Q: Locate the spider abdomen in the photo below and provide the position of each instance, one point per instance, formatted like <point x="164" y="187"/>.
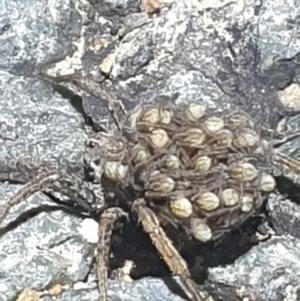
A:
<point x="203" y="170"/>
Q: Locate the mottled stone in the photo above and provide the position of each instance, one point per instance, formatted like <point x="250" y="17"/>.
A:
<point x="150" y="289"/>
<point x="277" y="31"/>
<point x="47" y="248"/>
<point x="116" y="7"/>
<point x="212" y="55"/>
<point x="36" y="122"/>
<point x="284" y="216"/>
<point x="34" y="32"/>
<point x="206" y="4"/>
<point x="265" y="271"/>
<point x="228" y="53"/>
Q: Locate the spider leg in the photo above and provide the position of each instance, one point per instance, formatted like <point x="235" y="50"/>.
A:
<point x="173" y="259"/>
<point x="60" y="183"/>
<point x="26" y="191"/>
<point x="288" y="164"/>
<point x="106" y="225"/>
<point x="284" y="138"/>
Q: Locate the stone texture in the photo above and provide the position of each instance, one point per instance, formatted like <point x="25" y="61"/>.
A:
<point x="37" y="122"/>
<point x="265" y="272"/>
<point x="44" y="249"/>
<point x="145" y="289"/>
<point x="228" y="53"/>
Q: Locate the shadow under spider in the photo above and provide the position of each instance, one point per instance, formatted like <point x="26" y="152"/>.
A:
<point x="133" y="244"/>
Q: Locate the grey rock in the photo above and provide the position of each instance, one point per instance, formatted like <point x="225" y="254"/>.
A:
<point x="291" y="147"/>
<point x="221" y="55"/>
<point x="149" y="289"/>
<point x="196" y="86"/>
<point x="8" y="288"/>
<point x="277" y="31"/>
<point x="46" y="249"/>
<point x="213" y="55"/>
<point x="284" y="216"/>
<point x="270" y="269"/>
<point x="116" y="7"/>
<point x="36" y="122"/>
<point x="133" y="21"/>
<point x="34" y="33"/>
<point x="265" y="271"/>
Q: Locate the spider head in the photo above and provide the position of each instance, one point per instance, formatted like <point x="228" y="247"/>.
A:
<point x="100" y="148"/>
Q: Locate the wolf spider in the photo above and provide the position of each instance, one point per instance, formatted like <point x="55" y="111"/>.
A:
<point x="199" y="171"/>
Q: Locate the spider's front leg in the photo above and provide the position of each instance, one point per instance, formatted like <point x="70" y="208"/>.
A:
<point x="26" y="191"/>
<point x="56" y="182"/>
<point x="171" y="256"/>
<point x="288" y="166"/>
<point x="105" y="228"/>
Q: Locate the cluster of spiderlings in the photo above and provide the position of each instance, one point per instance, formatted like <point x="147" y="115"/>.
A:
<point x="203" y="170"/>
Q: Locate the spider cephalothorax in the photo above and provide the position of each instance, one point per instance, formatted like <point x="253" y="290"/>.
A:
<point x="195" y="170"/>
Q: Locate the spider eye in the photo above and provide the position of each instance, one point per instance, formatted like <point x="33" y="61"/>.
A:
<point x="90" y="144"/>
<point x="97" y="162"/>
<point x="89" y="121"/>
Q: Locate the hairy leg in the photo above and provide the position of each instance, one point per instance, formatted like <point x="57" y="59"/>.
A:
<point x="173" y="259"/>
<point x="287" y="166"/>
<point x="60" y="184"/>
<point x="106" y="225"/>
<point x="26" y="191"/>
<point x="286" y="162"/>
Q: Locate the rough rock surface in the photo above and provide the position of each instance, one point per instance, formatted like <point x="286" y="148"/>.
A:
<point x="36" y="122"/>
<point x="43" y="248"/>
<point x="235" y="53"/>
